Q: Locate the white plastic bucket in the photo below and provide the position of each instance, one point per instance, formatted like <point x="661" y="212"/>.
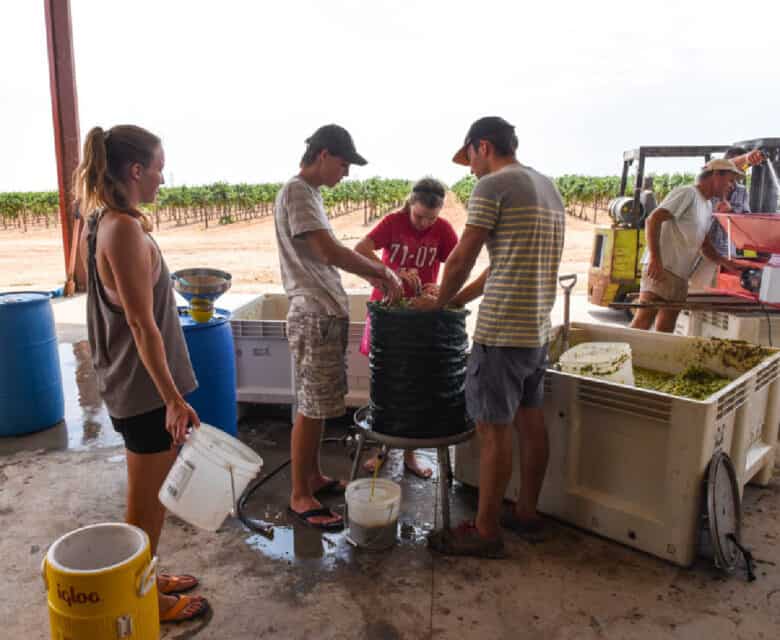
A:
<point x="373" y="520"/>
<point x="605" y="360"/>
<point x="212" y="470"/>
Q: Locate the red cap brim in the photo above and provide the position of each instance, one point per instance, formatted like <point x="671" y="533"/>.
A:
<point x="462" y="157"/>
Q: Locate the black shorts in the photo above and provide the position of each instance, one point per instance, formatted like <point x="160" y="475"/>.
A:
<point x="144" y="433"/>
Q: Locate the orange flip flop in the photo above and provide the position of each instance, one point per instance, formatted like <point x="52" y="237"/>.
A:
<point x="186" y="608"/>
<point x="177" y="584"/>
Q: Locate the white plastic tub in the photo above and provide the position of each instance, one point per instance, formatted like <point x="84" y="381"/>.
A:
<point x="628" y="463"/>
<point x="755" y="328"/>
<point x="209" y="475"/>
<point x="263" y="361"/>
<point x="604" y="360"/>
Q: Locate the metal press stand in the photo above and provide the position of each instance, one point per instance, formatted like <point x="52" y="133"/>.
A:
<point x="441" y="445"/>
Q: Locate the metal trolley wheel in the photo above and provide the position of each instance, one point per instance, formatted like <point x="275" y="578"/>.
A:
<point x="722" y="517"/>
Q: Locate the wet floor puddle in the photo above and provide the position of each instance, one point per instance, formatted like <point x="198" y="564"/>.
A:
<point x="309" y="547"/>
<point x="303" y="545"/>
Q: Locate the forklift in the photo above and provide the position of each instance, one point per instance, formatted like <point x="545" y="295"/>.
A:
<point x="616" y="260"/>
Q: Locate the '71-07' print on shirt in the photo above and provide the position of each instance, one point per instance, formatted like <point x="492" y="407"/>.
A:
<point x="425" y="255"/>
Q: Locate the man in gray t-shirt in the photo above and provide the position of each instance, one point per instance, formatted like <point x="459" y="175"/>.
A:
<point x="299" y="210"/>
<point x="318" y="319"/>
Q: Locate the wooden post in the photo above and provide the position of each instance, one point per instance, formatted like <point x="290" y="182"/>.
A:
<point x="65" y="113"/>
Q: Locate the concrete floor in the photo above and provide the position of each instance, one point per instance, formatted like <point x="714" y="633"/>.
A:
<point x="303" y="584"/>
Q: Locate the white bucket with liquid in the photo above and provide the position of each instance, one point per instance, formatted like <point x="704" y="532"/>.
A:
<point x="605" y="360"/>
<point x="210" y="474"/>
<point x="373" y="520"/>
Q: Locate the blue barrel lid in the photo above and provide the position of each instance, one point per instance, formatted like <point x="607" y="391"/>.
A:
<point x="24" y="297"/>
<point x="188" y="324"/>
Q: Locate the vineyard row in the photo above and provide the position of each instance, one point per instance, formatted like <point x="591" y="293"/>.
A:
<point x="592" y="192"/>
<point x="223" y="203"/>
<point x="218" y="203"/>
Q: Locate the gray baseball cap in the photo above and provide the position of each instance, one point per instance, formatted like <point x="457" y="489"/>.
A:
<point x="338" y="142"/>
<point x="483" y="128"/>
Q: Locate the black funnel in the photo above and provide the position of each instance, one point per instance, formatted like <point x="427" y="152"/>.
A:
<point x="763" y="190"/>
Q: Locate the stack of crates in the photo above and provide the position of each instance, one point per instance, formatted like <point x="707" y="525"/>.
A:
<point x="263" y="360"/>
<point x="756" y="328"/>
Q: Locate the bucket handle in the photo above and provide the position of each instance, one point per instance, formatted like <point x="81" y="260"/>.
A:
<point x="233" y="509"/>
<point x="148" y="578"/>
<point x="43" y="573"/>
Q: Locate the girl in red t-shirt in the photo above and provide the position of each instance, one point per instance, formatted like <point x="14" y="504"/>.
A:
<point x="414" y="242"/>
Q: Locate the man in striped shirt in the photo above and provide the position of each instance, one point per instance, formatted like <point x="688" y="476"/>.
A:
<point x="518" y="214"/>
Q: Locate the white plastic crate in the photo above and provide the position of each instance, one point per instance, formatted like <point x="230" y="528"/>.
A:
<point x="628" y="463"/>
<point x="688" y="324"/>
<point x="755" y="328"/>
<point x="263" y="361"/>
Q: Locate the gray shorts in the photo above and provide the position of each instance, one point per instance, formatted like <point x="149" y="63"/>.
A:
<point x="318" y="344"/>
<point x="500" y="380"/>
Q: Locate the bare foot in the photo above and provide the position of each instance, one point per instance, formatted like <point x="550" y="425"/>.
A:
<point x="169" y="584"/>
<point x="370" y="464"/>
<point x="180" y="608"/>
<point x="413" y="466"/>
<point x="526" y="515"/>
<point x="326" y="485"/>
<point x="165" y="602"/>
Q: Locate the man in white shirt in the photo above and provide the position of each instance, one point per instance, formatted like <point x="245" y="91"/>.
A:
<point x="676" y="233"/>
<point x="310" y="256"/>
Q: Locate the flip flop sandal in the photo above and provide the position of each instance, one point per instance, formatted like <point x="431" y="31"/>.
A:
<point x="305" y="517"/>
<point x="178" y="612"/>
<point x="331" y="488"/>
<point x="176" y="584"/>
<point x="535" y="531"/>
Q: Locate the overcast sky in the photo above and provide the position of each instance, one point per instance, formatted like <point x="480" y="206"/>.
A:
<point x="234" y="87"/>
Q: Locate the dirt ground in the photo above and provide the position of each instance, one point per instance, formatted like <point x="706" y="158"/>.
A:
<point x="308" y="586"/>
<point x="34" y="260"/>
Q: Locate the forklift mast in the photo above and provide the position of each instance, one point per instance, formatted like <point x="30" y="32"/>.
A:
<point x="641" y="153"/>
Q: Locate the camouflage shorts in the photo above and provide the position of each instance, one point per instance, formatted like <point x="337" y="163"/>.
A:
<point x="318" y="344"/>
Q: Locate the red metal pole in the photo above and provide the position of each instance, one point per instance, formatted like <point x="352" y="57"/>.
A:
<point x="65" y="112"/>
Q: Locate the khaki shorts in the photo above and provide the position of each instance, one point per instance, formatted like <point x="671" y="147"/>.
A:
<point x="670" y="287"/>
<point x="318" y="344"/>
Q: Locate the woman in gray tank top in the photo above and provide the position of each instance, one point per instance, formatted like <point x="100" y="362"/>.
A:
<point x="138" y="349"/>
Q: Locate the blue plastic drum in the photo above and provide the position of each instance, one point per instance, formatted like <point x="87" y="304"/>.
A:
<point x="31" y="397"/>
<point x="211" y="351"/>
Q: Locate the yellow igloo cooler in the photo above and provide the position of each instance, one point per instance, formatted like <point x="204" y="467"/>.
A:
<point x="101" y="584"/>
